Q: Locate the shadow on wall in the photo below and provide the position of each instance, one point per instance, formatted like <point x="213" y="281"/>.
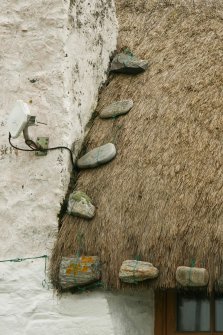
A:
<point x="132" y="313"/>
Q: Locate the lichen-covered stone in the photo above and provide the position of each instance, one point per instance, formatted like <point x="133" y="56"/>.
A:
<point x="192" y="276"/>
<point x="126" y="62"/>
<point x="116" y="108"/>
<point x="80" y="205"/>
<point x="133" y="271"/>
<point x="97" y="156"/>
<point x="79" y="271"/>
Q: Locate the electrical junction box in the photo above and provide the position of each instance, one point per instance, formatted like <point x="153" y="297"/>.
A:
<point x="43" y="143"/>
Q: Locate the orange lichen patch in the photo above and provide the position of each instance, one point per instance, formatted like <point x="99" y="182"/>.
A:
<point x="85" y="268"/>
<point x="68" y="271"/>
<point x="85" y="259"/>
<point x="73" y="269"/>
<point x="76" y="268"/>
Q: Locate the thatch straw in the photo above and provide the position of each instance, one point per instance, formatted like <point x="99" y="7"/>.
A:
<point x="161" y="199"/>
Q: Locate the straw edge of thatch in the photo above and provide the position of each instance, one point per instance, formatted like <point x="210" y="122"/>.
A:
<point x="68" y="223"/>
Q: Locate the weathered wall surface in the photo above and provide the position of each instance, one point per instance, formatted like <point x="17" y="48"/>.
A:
<point x="28" y="308"/>
<point x="132" y="313"/>
<point x="54" y="55"/>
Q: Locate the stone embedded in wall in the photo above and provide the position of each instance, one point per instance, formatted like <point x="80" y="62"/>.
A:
<point x="192" y="276"/>
<point x="80" y="205"/>
<point x="97" y="156"/>
<point x="79" y="271"/>
<point x="126" y="62"/>
<point x="133" y="271"/>
<point x="116" y="108"/>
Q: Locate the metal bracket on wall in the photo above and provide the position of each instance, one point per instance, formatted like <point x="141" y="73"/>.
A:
<point x="43" y="143"/>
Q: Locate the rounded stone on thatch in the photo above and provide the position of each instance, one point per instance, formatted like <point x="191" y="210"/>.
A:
<point x="128" y="63"/>
<point x="133" y="271"/>
<point x="192" y="277"/>
<point x="80" y="205"/>
<point x="116" y="108"/>
<point x="79" y="271"/>
<point x="97" y="156"/>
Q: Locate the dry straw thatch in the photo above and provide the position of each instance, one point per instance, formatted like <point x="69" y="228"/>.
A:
<point x="161" y="199"/>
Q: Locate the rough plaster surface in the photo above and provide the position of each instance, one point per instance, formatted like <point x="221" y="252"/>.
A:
<point x="27" y="308"/>
<point x="132" y="313"/>
<point x="65" y="49"/>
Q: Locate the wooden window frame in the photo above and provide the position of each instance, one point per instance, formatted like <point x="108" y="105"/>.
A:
<point x="166" y="316"/>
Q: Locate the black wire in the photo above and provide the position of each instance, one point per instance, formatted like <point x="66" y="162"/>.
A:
<point x="60" y="147"/>
<point x="10" y="136"/>
<point x="34" y="147"/>
<point x="31" y="144"/>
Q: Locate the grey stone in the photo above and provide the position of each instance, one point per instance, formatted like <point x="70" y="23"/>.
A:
<point x="80" y="205"/>
<point x="133" y="271"/>
<point x="97" y="156"/>
<point x="128" y="63"/>
<point x="116" y="108"/>
<point x="79" y="271"/>
<point x="192" y="276"/>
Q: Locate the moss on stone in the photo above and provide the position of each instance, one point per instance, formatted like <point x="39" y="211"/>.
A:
<point x="78" y="196"/>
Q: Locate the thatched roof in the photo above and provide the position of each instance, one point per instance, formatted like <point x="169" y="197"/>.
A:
<point x="161" y="199"/>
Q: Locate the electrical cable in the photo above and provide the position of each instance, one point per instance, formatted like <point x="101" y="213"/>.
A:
<point x="34" y="147"/>
<point x="13" y="146"/>
<point x="45" y="282"/>
<point x="22" y="259"/>
<point x="31" y="144"/>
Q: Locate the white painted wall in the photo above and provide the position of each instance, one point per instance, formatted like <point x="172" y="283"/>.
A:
<point x="132" y="312"/>
<point x="36" y="36"/>
<point x="27" y="308"/>
<point x="65" y="48"/>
